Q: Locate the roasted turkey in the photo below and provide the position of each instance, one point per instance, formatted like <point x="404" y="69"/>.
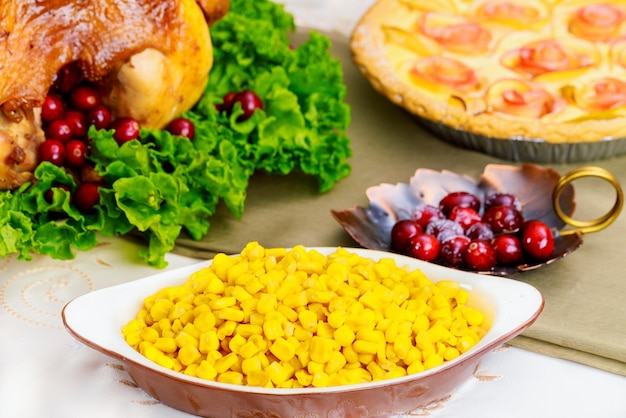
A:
<point x="150" y="58"/>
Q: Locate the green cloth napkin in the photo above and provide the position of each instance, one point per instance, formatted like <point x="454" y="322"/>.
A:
<point x="584" y="319"/>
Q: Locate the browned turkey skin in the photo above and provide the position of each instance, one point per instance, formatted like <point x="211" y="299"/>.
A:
<point x="151" y="57"/>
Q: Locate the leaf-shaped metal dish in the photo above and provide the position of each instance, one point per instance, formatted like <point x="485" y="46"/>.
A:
<point x="544" y="194"/>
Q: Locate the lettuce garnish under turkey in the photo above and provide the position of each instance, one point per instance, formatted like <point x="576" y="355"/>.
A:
<point x="165" y="185"/>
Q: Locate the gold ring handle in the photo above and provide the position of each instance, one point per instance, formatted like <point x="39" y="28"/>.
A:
<point x="593" y="225"/>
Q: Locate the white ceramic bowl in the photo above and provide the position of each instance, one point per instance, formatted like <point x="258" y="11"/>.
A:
<point x="96" y="320"/>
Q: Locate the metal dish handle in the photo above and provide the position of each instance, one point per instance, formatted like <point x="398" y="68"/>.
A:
<point x="593" y="225"/>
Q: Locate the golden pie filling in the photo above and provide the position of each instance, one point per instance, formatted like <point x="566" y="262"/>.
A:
<point x="550" y="70"/>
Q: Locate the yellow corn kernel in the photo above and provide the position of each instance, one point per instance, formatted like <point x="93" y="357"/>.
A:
<point x="320" y="380"/>
<point x="251" y="365"/>
<point x="224" y="302"/>
<point x="208" y="341"/>
<point x="308" y="320"/>
<point x="236" y="342"/>
<point x="324" y="330"/>
<point x="335" y="363"/>
<point x="166" y="345"/>
<point x="350" y="355"/>
<point x="365" y="347"/>
<point x="248" y="350"/>
<point x="433" y="360"/>
<point x="248" y="330"/>
<point x="282" y="349"/>
<point x="267" y="303"/>
<point x="375" y="370"/>
<point x="321" y="349"/>
<point x="231" y="314"/>
<point x="226" y="362"/>
<point x="415" y="367"/>
<point x="226" y="329"/>
<point x="314" y="367"/>
<point x="188" y="354"/>
<point x="344" y="335"/>
<point x="450" y="353"/>
<point x="161" y="309"/>
<point x="235" y="378"/>
<point x="304" y="378"/>
<point x="183" y="338"/>
<point x="402" y="345"/>
<point x="277" y="373"/>
<point x="258" y="378"/>
<point x="273" y="329"/>
<point x="473" y="316"/>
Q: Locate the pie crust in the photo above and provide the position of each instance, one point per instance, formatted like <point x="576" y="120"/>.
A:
<point x="552" y="71"/>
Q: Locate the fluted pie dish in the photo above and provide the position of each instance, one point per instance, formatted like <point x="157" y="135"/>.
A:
<point x="96" y="319"/>
<point x="523" y="80"/>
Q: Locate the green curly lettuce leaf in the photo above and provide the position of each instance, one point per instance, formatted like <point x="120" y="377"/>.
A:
<point x="164" y="185"/>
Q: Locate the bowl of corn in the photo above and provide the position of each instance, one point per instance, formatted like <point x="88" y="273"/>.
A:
<point x="309" y="332"/>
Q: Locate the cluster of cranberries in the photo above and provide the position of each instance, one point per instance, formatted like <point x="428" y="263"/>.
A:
<point x="454" y="233"/>
<point x="248" y="100"/>
<point x="70" y="108"/>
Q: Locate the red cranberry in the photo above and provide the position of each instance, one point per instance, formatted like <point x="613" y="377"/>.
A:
<point x="227" y="102"/>
<point x="49" y="195"/>
<point x="59" y="129"/>
<point x="84" y="97"/>
<point x="479" y="255"/>
<point x="463" y="199"/>
<point x="53" y="150"/>
<point x="99" y="116"/>
<point x="425" y="214"/>
<point x="452" y="251"/>
<point x="537" y="240"/>
<point x="444" y="229"/>
<point x="53" y="108"/>
<point x="249" y="101"/>
<point x="502" y="199"/>
<point x="465" y="217"/>
<point x="67" y="78"/>
<point x="508" y="249"/>
<point x="126" y="129"/>
<point x="87" y="196"/>
<point x="182" y="127"/>
<point x="480" y="230"/>
<point x="77" y="123"/>
<point x="503" y="219"/>
<point x="401" y="233"/>
<point x="424" y="247"/>
<point x="76" y="153"/>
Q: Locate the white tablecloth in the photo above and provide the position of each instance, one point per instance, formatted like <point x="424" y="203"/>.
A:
<point x="44" y="372"/>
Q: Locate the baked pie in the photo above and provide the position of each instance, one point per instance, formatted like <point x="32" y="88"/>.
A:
<point x="544" y="70"/>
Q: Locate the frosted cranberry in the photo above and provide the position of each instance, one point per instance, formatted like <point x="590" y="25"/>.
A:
<point x="67" y="78"/>
<point x="463" y="199"/>
<point x="465" y="217"/>
<point x="87" y="196"/>
<point x="77" y="123"/>
<point x="480" y="230"/>
<point x="84" y="97"/>
<point x="508" y="249"/>
<point x="182" y="127"/>
<point x="249" y="101"/>
<point x="479" y="255"/>
<point x="99" y="116"/>
<point x="76" y="153"/>
<point x="425" y="214"/>
<point x="401" y="233"/>
<point x="49" y="195"/>
<point x="537" y="240"/>
<point x="59" y="129"/>
<point x="126" y="129"/>
<point x="53" y="150"/>
<point x="503" y="219"/>
<point x="444" y="229"/>
<point x="452" y="251"/>
<point x="424" y="247"/>
<point x="53" y="108"/>
<point x="502" y="199"/>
